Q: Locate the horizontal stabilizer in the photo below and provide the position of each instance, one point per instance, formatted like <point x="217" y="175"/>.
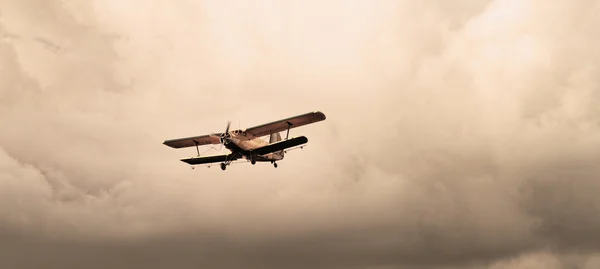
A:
<point x="209" y="159"/>
<point x="281" y="145"/>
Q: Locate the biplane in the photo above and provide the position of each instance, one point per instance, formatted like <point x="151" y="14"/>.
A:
<point x="248" y="144"/>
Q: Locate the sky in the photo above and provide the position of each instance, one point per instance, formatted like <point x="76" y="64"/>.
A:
<point x="459" y="134"/>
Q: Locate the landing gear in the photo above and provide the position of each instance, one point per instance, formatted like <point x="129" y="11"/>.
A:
<point x="228" y="160"/>
<point x="275" y="164"/>
<point x="253" y="162"/>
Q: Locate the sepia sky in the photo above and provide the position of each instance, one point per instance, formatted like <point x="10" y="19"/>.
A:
<point x="459" y="134"/>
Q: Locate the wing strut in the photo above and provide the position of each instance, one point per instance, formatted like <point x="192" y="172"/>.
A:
<point x="288" y="130"/>
<point x="197" y="150"/>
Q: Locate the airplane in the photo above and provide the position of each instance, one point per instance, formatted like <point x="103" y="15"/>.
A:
<point x="247" y="144"/>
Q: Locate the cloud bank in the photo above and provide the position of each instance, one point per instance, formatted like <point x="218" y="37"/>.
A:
<point x="459" y="135"/>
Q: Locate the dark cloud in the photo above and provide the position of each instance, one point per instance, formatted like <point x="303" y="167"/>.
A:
<point x="459" y="135"/>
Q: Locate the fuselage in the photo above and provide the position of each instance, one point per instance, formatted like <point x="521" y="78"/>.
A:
<point x="243" y="143"/>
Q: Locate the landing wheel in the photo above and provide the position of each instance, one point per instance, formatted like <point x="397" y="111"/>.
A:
<point x="223" y="166"/>
<point x="275" y="165"/>
<point x="253" y="162"/>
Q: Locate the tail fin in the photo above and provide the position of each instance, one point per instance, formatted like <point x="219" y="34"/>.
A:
<point x="276" y="137"/>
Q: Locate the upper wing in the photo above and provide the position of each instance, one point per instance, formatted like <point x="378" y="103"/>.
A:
<point x="193" y="141"/>
<point x="210" y="159"/>
<point x="284" y="124"/>
<point x="292" y="142"/>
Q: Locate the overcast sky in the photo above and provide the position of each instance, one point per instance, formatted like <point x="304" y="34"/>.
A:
<point x="459" y="134"/>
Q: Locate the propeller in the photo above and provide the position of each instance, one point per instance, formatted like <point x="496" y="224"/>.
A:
<point x="227" y="129"/>
<point x="225" y="136"/>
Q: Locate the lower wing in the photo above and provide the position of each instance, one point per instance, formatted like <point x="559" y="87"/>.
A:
<point x="292" y="142"/>
<point x="210" y="159"/>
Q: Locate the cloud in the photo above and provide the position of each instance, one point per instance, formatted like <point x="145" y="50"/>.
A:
<point x="458" y="135"/>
